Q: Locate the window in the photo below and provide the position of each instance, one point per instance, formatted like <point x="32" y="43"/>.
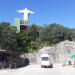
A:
<point x="45" y="58"/>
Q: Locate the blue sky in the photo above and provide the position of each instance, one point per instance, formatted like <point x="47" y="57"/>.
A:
<point x="47" y="11"/>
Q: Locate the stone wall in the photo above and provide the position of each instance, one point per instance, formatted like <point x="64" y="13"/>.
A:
<point x="59" y="53"/>
<point x="65" y="49"/>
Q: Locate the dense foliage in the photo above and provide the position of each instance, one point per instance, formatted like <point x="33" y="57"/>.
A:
<point x="34" y="37"/>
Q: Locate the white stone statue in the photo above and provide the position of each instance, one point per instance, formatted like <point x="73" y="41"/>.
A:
<point x="25" y="13"/>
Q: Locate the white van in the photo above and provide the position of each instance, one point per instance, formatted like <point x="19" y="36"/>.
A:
<point x="45" y="61"/>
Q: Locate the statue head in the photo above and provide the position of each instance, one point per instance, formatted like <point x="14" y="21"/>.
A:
<point x="25" y="8"/>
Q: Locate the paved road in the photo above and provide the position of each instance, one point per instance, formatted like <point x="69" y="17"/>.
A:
<point x="37" y="70"/>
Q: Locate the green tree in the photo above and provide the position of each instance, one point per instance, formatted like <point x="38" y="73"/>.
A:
<point x="33" y="32"/>
<point x="23" y="42"/>
<point x="33" y="35"/>
<point x="7" y="34"/>
<point x="54" y="33"/>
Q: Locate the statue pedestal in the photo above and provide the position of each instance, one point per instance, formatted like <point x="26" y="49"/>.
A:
<point x="23" y="27"/>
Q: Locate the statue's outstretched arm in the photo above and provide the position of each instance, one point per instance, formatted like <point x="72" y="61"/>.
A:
<point x="31" y="12"/>
<point x="20" y="11"/>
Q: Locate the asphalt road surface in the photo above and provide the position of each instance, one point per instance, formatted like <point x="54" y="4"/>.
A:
<point x="37" y="70"/>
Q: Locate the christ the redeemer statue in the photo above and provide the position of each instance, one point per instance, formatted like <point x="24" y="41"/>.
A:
<point x="25" y="13"/>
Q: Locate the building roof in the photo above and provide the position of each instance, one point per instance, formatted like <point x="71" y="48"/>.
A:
<point x="14" y="53"/>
